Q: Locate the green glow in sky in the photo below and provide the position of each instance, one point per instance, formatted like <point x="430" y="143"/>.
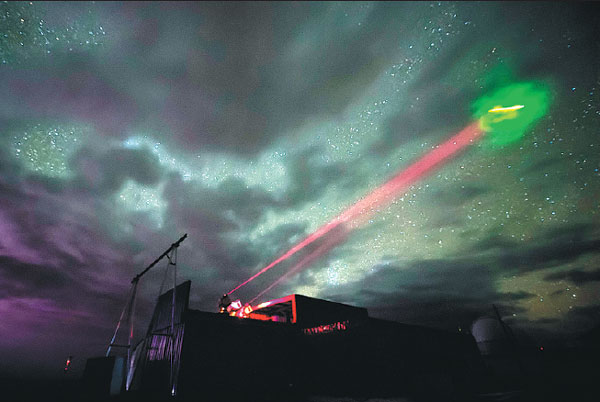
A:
<point x="506" y="123"/>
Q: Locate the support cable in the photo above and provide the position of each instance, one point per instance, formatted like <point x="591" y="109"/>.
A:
<point x="125" y="308"/>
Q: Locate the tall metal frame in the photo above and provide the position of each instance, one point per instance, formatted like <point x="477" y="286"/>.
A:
<point x="128" y="312"/>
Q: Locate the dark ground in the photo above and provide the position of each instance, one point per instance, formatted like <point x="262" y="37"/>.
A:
<point x="560" y="375"/>
<point x="70" y="390"/>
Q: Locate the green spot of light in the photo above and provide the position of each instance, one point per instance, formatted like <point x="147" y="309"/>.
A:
<point x="503" y="122"/>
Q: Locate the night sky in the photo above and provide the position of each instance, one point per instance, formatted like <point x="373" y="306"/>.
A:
<point x="247" y="126"/>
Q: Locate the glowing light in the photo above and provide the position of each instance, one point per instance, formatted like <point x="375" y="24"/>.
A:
<point x="263" y="305"/>
<point x="505" y="109"/>
<point x="359" y="212"/>
<point x="234" y="307"/>
<point x="67" y="363"/>
<point x="505" y="125"/>
<point x="275" y="301"/>
<point x="247" y="309"/>
<point x="324" y="329"/>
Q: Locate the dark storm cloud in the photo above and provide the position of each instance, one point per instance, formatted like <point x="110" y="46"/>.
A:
<point x="494" y="241"/>
<point x="456" y="196"/>
<point x="582" y="319"/>
<point x="282" y="237"/>
<point x="108" y="170"/>
<point x="440" y="312"/>
<point x="548" y="249"/>
<point x="214" y="217"/>
<point x="428" y="278"/>
<point x="583" y="62"/>
<point x="230" y="203"/>
<point x="432" y="292"/>
<point x="546" y="321"/>
<point x="591" y="313"/>
<point x="196" y="212"/>
<point x="247" y="203"/>
<point x="57" y="229"/>
<point x="21" y="279"/>
<point x="234" y="76"/>
<point x="77" y="86"/>
<point x="52" y="285"/>
<point x="576" y="276"/>
<point x="552" y="253"/>
<point x="515" y="296"/>
<point x="446" y="220"/>
<point x="310" y="176"/>
<point x="427" y="119"/>
<point x="229" y="72"/>
<point x="543" y="165"/>
<point x="325" y="71"/>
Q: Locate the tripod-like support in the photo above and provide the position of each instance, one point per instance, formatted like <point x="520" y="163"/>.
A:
<point x="127" y="315"/>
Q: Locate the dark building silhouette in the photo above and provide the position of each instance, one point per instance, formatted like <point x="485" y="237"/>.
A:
<point x="295" y="346"/>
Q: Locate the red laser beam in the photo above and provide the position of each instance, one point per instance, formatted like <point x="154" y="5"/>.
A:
<point x="328" y="244"/>
<point x="360" y="211"/>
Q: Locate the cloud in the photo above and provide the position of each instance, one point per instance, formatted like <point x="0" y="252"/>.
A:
<point x="516" y="296"/>
<point x="83" y="95"/>
<point x="457" y="196"/>
<point x="531" y="167"/>
<point x="309" y="176"/>
<point x="550" y="248"/>
<point x="576" y="276"/>
<point x="551" y="254"/>
<point x="578" y="320"/>
<point x="107" y="171"/>
<point x="217" y="219"/>
<point x="432" y="292"/>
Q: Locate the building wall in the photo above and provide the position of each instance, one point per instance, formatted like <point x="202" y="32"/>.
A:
<point x="225" y="356"/>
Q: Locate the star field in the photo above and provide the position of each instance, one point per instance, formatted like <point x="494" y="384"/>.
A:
<point x="46" y="148"/>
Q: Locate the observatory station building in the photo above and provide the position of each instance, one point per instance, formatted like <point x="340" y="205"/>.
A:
<point x="295" y="345"/>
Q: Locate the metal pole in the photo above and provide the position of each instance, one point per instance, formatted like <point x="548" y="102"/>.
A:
<point x="131" y="323"/>
<point x="173" y="261"/>
<point x="163" y="255"/>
